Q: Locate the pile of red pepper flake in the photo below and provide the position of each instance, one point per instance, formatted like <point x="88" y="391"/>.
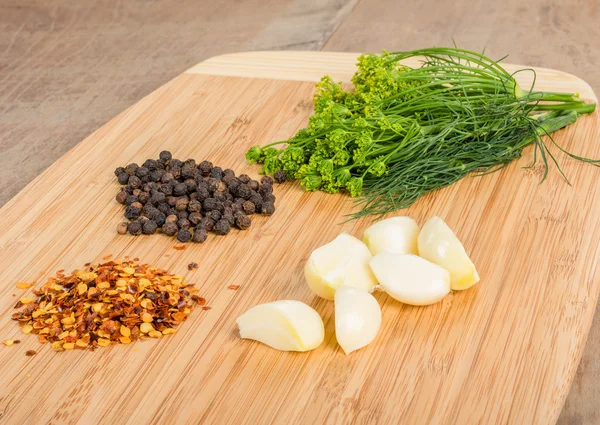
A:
<point x="110" y="303"/>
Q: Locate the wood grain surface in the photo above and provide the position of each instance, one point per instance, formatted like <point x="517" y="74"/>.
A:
<point x="502" y="352"/>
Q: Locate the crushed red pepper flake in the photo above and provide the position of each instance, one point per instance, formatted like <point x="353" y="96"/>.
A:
<point x="106" y="257"/>
<point x="234" y="287"/>
<point x="30" y="353"/>
<point x="205" y="307"/>
<point x="179" y="247"/>
<point x="192" y="266"/>
<point x="117" y="302"/>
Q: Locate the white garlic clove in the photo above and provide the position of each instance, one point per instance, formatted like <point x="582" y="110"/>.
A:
<point x="410" y="279"/>
<point x="342" y="262"/>
<point x="357" y="318"/>
<point x="397" y="235"/>
<point x="286" y="325"/>
<point x="438" y="244"/>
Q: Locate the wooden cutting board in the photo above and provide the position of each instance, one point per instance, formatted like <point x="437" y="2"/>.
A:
<point x="502" y="352"/>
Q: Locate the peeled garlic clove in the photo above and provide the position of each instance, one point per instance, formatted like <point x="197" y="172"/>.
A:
<point x="357" y="318"/>
<point x="411" y="279"/>
<point x="285" y="325"/>
<point x="397" y="235"/>
<point x="438" y="244"/>
<point x="342" y="262"/>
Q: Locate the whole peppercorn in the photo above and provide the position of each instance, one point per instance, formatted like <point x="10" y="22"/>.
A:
<point x="150" y="164"/>
<point x="228" y="172"/>
<point x="170" y="228"/>
<point x="280" y="176"/>
<point x="142" y="219"/>
<point x="149" y="227"/>
<point x="214" y="215"/>
<point x="176" y="171"/>
<point x="184" y="235"/>
<point x="222" y="227"/>
<point x="256" y="199"/>
<point x="181" y="204"/>
<point x="181" y="214"/>
<point x="220" y="196"/>
<point x="253" y="184"/>
<point x="216" y="173"/>
<point x="123" y="178"/>
<point x="195" y="218"/>
<point x="243" y="191"/>
<point x="265" y="189"/>
<point x="167" y="177"/>
<point x="165" y="156"/>
<point x="172" y="200"/>
<point x="134" y="182"/>
<point x="191" y="185"/>
<point x="236" y="208"/>
<point x="227" y="203"/>
<point x="131" y="212"/>
<point x="137" y="205"/>
<point x="155" y="175"/>
<point x="194" y="206"/>
<point x="244" y="178"/>
<point x="131" y="169"/>
<point x="267" y="180"/>
<point x="248" y="207"/>
<point x="184" y="223"/>
<point x="144" y="197"/>
<point x="158" y="198"/>
<point x="122" y="197"/>
<point x="134" y="228"/>
<point x="164" y="208"/>
<point x="228" y="215"/>
<point x="136" y="192"/>
<point x="142" y="172"/>
<point x="269" y="197"/>
<point x="268" y="208"/>
<point x="118" y="171"/>
<point x="233" y="184"/>
<point x="205" y="167"/>
<point x="200" y="234"/>
<point x="176" y="163"/>
<point x="122" y="227"/>
<point x="190" y="162"/>
<point x="159" y="218"/>
<point x="180" y="189"/>
<point x="213" y="185"/>
<point x="188" y="172"/>
<point x="166" y="188"/>
<point x="208" y="223"/>
<point x="242" y="221"/>
<point x="171" y="219"/>
<point x="203" y="193"/>
<point x="210" y="204"/>
<point x="222" y="187"/>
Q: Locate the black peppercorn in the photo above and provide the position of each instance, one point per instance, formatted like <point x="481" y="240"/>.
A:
<point x="158" y="198"/>
<point x="191" y="185"/>
<point x="142" y="172"/>
<point x="118" y="171"/>
<point x="184" y="235"/>
<point x="266" y="180"/>
<point x="265" y="189"/>
<point x="134" y="228"/>
<point x="269" y="197"/>
<point x="181" y="204"/>
<point x="181" y="214"/>
<point x="188" y="172"/>
<point x="155" y="175"/>
<point x="134" y="182"/>
<point x="137" y="205"/>
<point x="203" y="193"/>
<point x="170" y="228"/>
<point x="122" y="228"/>
<point x="195" y="218"/>
<point x="149" y="211"/>
<point x="213" y="185"/>
<point x="131" y="169"/>
<point x="216" y="173"/>
<point x="136" y="192"/>
<point x="180" y="189"/>
<point x="253" y="184"/>
<point x="268" y="208"/>
<point x="122" y="197"/>
<point x="144" y="197"/>
<point x="166" y="188"/>
<point x="131" y="212"/>
<point x="233" y="184"/>
<point x="228" y="172"/>
<point x="159" y="218"/>
<point x="222" y="227"/>
<point x="220" y="196"/>
<point x="171" y="219"/>
<point x="165" y="156"/>
<point x="280" y="176"/>
<point x="236" y="207"/>
<point x="149" y="227"/>
<point x="210" y="204"/>
<point x="176" y="163"/>
<point x="167" y="177"/>
<point x="184" y="223"/>
<point x="194" y="206"/>
<point x="229" y="217"/>
<point x="142" y="219"/>
<point x="205" y="167"/>
<point x="242" y="221"/>
<point x="244" y="178"/>
<point x="214" y="215"/>
<point x="150" y="164"/>
<point x="243" y="191"/>
<point x="248" y="207"/>
<point x="176" y="171"/>
<point x="172" y="200"/>
<point x="164" y="208"/>
<point x="208" y="223"/>
<point x="123" y="178"/>
<point x="200" y="234"/>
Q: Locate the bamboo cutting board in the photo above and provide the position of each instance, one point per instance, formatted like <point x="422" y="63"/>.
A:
<point x="502" y="352"/>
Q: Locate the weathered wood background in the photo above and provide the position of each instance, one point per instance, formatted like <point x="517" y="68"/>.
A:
<point x="67" y="67"/>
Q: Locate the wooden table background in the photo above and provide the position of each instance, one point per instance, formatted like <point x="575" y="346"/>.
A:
<point x="67" y="67"/>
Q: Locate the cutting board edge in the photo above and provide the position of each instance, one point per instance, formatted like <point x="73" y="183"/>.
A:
<point x="298" y="65"/>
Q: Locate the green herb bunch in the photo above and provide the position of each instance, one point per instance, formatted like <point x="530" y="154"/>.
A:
<point x="403" y="132"/>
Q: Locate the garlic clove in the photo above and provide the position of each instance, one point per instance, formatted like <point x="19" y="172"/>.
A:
<point x="357" y="318"/>
<point x="397" y="235"/>
<point x="286" y="325"/>
<point x="342" y="262"/>
<point x="410" y="279"/>
<point x="438" y="244"/>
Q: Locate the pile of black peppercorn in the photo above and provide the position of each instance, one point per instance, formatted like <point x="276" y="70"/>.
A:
<point x="189" y="200"/>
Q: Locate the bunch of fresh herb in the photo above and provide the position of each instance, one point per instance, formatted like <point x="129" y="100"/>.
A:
<point x="403" y="132"/>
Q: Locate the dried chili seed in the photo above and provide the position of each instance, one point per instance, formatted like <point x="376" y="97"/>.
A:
<point x="30" y="353"/>
<point x="122" y="228"/>
<point x="192" y="266"/>
<point x="280" y="176"/>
